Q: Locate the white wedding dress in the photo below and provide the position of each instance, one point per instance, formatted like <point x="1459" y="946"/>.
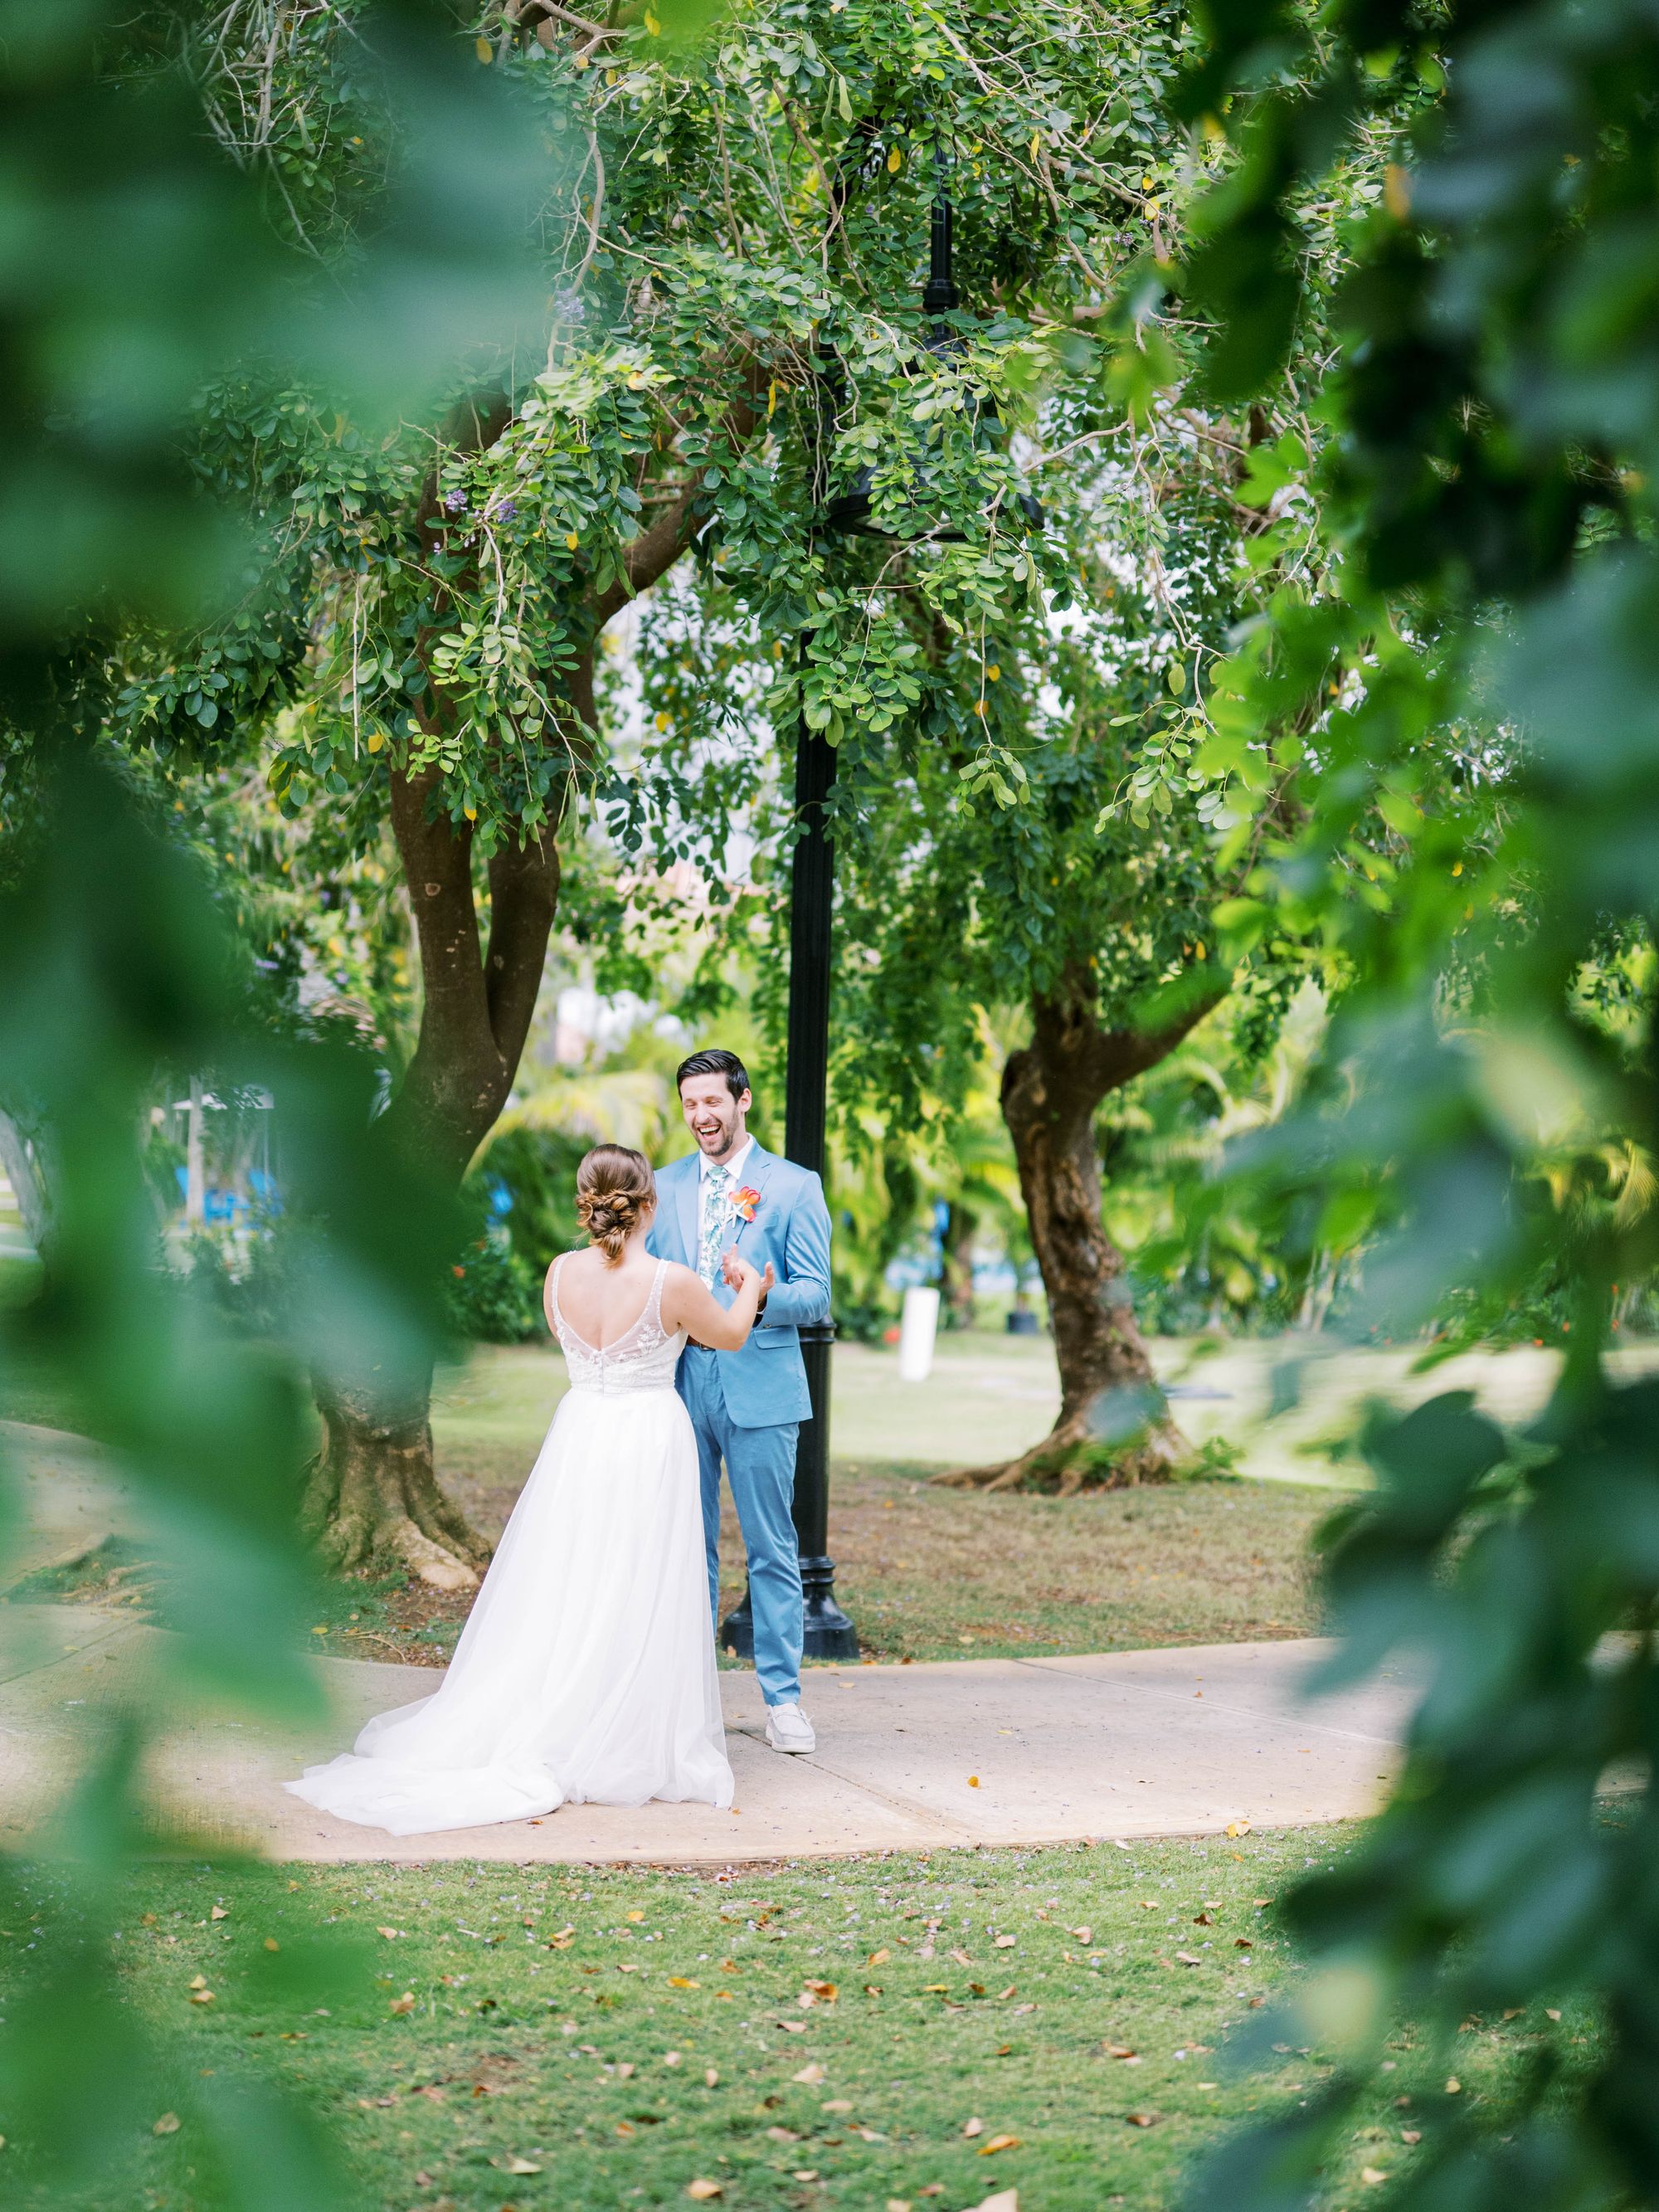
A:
<point x="586" y="1672"/>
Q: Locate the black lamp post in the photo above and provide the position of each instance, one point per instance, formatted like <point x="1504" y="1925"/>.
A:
<point x="829" y="1634"/>
<point x="827" y="1631"/>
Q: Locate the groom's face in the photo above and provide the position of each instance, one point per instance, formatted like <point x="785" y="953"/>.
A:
<point x="714" y="1117"/>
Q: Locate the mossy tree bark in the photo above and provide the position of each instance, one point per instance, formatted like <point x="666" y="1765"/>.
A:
<point x="1114" y="1427"/>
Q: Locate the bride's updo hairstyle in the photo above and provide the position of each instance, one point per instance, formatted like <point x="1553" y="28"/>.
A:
<point x="615" y="1191"/>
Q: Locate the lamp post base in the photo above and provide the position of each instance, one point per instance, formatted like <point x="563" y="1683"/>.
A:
<point x="826" y="1632"/>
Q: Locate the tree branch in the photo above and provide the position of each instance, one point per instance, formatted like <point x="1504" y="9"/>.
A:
<point x="655" y="551"/>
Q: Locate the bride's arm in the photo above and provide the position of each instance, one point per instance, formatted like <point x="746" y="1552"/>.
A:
<point x="687" y="1303"/>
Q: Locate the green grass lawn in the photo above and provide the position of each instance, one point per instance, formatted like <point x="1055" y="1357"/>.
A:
<point x="857" y="2034"/>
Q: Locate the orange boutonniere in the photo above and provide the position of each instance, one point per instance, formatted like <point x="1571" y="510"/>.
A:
<point x="745" y="1201"/>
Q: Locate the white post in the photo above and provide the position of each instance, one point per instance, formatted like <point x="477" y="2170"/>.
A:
<point x="917" y="1330"/>
<point x="195" y="1165"/>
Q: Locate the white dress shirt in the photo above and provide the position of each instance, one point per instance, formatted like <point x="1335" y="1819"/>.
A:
<point x="734" y="1166"/>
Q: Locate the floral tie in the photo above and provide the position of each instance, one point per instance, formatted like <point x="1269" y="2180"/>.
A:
<point x="714" y="1223"/>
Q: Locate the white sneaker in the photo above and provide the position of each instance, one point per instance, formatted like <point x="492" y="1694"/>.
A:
<point x="787" y="1728"/>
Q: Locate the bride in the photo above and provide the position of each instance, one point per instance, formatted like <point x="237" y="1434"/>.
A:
<point x="586" y="1671"/>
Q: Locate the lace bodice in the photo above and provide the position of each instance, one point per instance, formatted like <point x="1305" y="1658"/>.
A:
<point x="643" y="1357"/>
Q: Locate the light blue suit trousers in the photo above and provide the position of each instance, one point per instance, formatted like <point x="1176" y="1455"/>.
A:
<point x="760" y="1464"/>
<point x="747" y="1407"/>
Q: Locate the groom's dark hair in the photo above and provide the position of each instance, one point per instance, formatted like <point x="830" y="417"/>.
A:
<point x="716" y="1063"/>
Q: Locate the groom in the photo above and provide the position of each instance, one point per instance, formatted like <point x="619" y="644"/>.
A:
<point x="747" y="1407"/>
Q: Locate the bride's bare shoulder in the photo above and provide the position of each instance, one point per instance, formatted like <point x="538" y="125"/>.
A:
<point x="677" y="1279"/>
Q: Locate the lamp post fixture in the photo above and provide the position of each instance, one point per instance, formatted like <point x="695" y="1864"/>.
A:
<point x="828" y="1633"/>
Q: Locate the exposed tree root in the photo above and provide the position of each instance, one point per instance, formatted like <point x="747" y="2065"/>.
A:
<point x="1072" y="1458"/>
<point x="373" y="1498"/>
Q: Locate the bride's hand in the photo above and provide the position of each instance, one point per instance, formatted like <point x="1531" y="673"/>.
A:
<point x="737" y="1272"/>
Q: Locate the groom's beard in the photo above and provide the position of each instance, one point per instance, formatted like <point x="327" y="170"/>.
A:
<point x="721" y="1147"/>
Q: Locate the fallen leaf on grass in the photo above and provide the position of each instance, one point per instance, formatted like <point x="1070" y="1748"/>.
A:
<point x="878" y="1958"/>
<point x="805" y="2173"/>
<point x="898" y="2204"/>
<point x="1141" y="2119"/>
<point x="404" y="2003"/>
<point x="1120" y="2049"/>
<point x="873" y="1989"/>
<point x="1189" y="1958"/>
<point x="218" y="1912"/>
<point x="810" y="2074"/>
<point x="513" y="2164"/>
<point x="974" y="2128"/>
<point x="633" y="1918"/>
<point x="1084" y="1934"/>
<point x="1410" y="2134"/>
<point x="432" y="2093"/>
<point x="703" y="2190"/>
<point x="1238" y="1827"/>
<point x="782" y="2135"/>
<point x="625" y="2070"/>
<point x="997" y="2143"/>
<point x="562" y="1940"/>
<point x="167" y="2125"/>
<point x="711" y="2075"/>
<point x="816" y="1993"/>
<point x="792" y="2027"/>
<point x="682" y="1982"/>
<point x="1005" y="2200"/>
<point x="1243" y="1943"/>
<point x="1372" y="2176"/>
<point x="272" y="1944"/>
<point x="1454" y="2087"/>
<point x="1006" y="1942"/>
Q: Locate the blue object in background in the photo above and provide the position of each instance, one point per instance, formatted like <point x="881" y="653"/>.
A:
<point x="500" y="1200"/>
<point x="266" y="1196"/>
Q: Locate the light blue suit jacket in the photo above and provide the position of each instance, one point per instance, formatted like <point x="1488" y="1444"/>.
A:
<point x="765" y="1383"/>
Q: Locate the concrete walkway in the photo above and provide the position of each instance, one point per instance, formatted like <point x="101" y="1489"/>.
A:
<point x="992" y="1752"/>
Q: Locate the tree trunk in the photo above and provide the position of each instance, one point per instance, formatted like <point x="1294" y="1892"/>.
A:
<point x="957" y="1265"/>
<point x="1114" y="1427"/>
<point x="23" y="1160"/>
<point x="374" y="1492"/>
